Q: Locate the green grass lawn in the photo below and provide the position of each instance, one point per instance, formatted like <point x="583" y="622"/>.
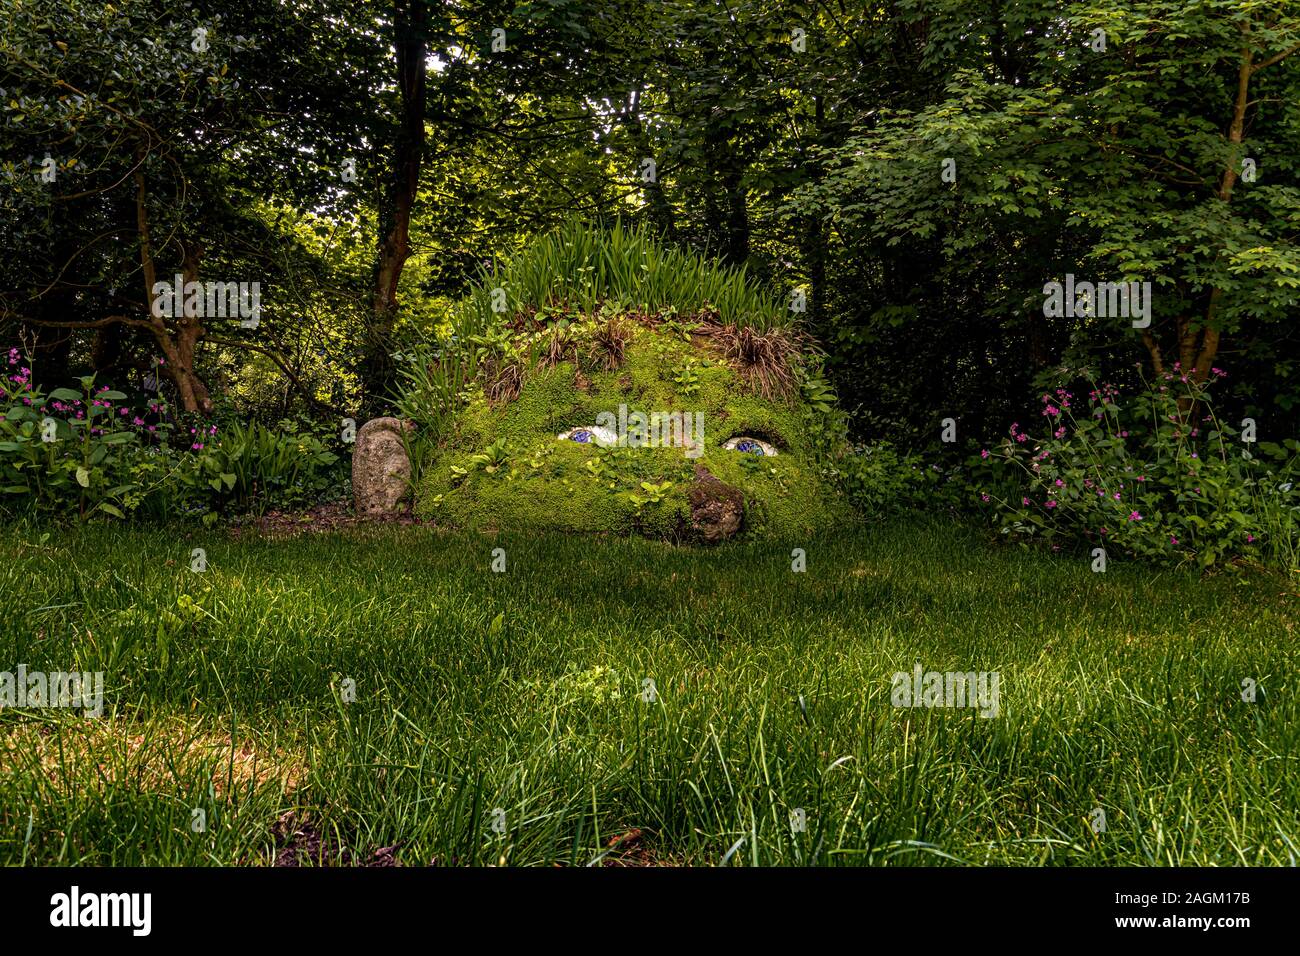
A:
<point x="523" y="691"/>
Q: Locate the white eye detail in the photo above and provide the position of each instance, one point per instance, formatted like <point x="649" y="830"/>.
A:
<point x="750" y="446"/>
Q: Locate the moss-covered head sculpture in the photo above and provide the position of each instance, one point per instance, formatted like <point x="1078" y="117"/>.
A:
<point x="603" y="383"/>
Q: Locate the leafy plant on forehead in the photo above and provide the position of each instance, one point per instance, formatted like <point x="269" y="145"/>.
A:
<point x="687" y="378"/>
<point x="556" y="345"/>
<point x="766" y="360"/>
<point x="504" y="379"/>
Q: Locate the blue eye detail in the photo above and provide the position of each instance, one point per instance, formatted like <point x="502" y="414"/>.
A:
<point x="750" y="446"/>
<point x="590" y="435"/>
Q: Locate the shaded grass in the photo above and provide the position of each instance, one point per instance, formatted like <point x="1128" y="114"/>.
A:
<point x="523" y="691"/>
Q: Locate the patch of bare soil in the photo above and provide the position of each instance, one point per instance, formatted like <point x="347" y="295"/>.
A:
<point x="332" y="516"/>
<point x="299" y="842"/>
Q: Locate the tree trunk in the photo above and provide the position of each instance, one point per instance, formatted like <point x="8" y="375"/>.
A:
<point x="178" y="346"/>
<point x="411" y="40"/>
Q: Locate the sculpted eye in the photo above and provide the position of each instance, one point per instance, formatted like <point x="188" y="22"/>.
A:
<point x="593" y="435"/>
<point x="749" y="446"/>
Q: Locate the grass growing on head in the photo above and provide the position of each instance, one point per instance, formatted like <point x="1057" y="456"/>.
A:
<point x="577" y="270"/>
<point x="580" y="267"/>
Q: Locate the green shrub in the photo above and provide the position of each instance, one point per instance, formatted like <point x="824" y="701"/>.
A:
<point x="288" y="466"/>
<point x="79" y="461"/>
<point x="880" y="480"/>
<point x="89" y="453"/>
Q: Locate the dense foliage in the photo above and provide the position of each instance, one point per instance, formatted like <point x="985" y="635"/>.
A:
<point x="93" y="452"/>
<point x="1156" y="474"/>
<point x="899" y="183"/>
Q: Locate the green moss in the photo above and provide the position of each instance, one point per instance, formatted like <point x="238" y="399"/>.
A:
<point x="525" y="479"/>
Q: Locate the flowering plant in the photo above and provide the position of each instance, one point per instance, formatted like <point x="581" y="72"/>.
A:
<point x="93" y="453"/>
<point x="1157" y="474"/>
<point x="67" y="448"/>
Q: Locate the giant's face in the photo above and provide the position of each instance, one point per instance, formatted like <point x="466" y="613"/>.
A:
<point x="584" y="446"/>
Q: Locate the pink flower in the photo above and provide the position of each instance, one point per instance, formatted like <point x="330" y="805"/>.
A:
<point x="1134" y="516"/>
<point x="1250" y="538"/>
<point x="984" y="453"/>
<point x="1060" y="483"/>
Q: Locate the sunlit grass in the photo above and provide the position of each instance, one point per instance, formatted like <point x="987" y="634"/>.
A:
<point x="524" y="691"/>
